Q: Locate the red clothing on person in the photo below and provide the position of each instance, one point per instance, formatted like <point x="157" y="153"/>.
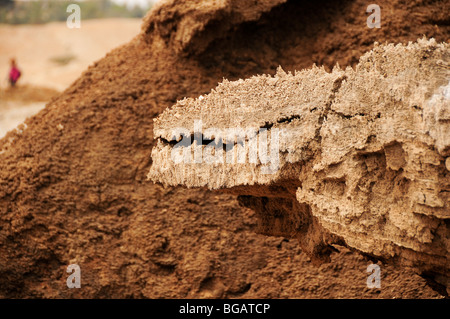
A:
<point x="14" y="75"/>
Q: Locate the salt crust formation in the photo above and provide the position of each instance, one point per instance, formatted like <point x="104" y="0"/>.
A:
<point x="363" y="154"/>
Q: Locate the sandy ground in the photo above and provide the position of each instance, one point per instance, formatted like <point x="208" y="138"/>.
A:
<point x="53" y="56"/>
<point x="41" y="50"/>
<point x="12" y="116"/>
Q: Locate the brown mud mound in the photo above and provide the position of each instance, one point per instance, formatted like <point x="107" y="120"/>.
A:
<point x="73" y="184"/>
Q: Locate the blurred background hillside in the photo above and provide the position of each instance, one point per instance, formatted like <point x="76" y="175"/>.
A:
<point x="43" y="11"/>
<point x="50" y="55"/>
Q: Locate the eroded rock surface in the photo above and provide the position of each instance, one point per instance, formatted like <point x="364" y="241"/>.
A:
<point x="361" y="155"/>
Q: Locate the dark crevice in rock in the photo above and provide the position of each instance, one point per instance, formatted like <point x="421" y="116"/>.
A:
<point x="289" y="119"/>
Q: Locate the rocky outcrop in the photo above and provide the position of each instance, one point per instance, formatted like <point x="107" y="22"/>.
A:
<point x="190" y="29"/>
<point x="355" y="157"/>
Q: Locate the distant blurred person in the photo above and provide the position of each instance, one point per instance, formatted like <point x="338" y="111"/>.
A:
<point x="14" y="73"/>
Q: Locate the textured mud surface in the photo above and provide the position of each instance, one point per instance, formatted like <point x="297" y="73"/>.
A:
<point x="73" y="185"/>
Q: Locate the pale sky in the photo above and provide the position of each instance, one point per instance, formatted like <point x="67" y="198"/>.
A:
<point x="131" y="3"/>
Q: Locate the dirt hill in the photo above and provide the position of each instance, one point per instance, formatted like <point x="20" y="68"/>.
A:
<point x="73" y="185"/>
